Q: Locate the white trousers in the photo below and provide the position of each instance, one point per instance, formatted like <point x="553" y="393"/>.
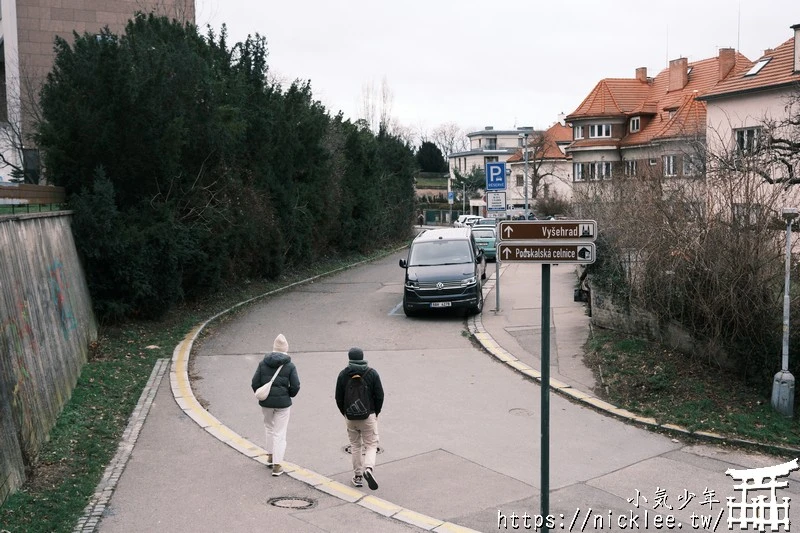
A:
<point x="276" y="422"/>
<point x="363" y="435"/>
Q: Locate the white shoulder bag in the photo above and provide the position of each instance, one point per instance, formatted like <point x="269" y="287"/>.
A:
<point x="263" y="391"/>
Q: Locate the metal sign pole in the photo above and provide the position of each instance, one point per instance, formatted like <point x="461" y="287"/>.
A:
<point x="545" y="418"/>
<point x="497" y="281"/>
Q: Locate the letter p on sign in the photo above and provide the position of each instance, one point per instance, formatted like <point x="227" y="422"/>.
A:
<point x="495" y="176"/>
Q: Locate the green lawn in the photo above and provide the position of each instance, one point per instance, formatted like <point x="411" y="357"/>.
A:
<point x="654" y="381"/>
<point x="86" y="435"/>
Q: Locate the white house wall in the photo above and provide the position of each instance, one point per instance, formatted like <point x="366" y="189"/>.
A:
<point x="560" y="184"/>
<point x="743" y="111"/>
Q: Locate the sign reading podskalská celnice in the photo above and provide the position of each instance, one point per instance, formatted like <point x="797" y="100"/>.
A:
<point x="548" y="241"/>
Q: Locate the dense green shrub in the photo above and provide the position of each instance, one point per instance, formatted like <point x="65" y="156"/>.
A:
<point x="210" y="172"/>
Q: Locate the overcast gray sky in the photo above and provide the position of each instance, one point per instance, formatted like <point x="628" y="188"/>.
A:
<point x="482" y="63"/>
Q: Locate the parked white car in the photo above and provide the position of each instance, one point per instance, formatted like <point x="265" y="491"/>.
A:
<point x="465" y="221"/>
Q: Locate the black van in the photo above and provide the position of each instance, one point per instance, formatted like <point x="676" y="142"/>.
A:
<point x="444" y="270"/>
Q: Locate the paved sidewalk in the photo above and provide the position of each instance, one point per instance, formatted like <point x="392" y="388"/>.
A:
<point x="190" y="471"/>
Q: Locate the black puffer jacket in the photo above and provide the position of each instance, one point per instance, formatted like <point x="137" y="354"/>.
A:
<point x="371" y="378"/>
<point x="286" y="385"/>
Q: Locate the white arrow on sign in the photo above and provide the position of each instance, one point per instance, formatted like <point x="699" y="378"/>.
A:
<point x="509" y="231"/>
<point x="506" y="251"/>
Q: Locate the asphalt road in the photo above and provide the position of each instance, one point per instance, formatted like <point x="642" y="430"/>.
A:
<point x="459" y="431"/>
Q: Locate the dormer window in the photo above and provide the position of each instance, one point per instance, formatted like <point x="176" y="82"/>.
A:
<point x="577" y="132"/>
<point x="635" y="124"/>
<point x="599" y="130"/>
<point x="761" y="63"/>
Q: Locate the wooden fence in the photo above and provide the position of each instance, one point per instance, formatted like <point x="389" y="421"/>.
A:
<point x="25" y="197"/>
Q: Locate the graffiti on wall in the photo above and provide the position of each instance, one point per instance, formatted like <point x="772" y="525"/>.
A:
<point x="60" y="296"/>
<point x="18" y="332"/>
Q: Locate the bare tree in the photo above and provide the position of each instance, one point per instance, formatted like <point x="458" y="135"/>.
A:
<point x="539" y="165"/>
<point x="703" y="251"/>
<point x="375" y="108"/>
<point x="450" y="138"/>
<point x="18" y="154"/>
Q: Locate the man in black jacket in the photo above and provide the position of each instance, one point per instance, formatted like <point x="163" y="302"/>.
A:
<point x="359" y="396"/>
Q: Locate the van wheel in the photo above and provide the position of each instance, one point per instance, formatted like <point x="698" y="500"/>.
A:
<point x="408" y="311"/>
<point x="479" y="307"/>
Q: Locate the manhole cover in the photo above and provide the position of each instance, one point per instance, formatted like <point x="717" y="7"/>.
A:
<point x="347" y="450"/>
<point x="519" y="411"/>
<point x="292" y="502"/>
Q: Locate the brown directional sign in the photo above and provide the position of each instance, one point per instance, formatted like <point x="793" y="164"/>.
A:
<point x="550" y="253"/>
<point x="548" y="230"/>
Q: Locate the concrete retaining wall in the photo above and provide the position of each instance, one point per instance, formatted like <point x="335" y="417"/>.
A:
<point x="46" y="327"/>
<point x="608" y="314"/>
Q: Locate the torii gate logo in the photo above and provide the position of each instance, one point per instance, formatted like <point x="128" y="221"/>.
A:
<point x="758" y="511"/>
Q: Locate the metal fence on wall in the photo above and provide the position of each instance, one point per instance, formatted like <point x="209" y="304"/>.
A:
<point x="26" y="198"/>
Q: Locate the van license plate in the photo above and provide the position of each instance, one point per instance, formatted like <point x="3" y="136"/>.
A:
<point x="440" y="304"/>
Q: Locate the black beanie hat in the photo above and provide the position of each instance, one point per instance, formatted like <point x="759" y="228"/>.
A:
<point x="355" y="354"/>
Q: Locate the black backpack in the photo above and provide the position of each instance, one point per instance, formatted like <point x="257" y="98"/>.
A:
<point x="357" y="398"/>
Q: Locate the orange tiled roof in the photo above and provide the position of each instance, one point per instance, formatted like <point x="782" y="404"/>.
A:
<point x="555" y="134"/>
<point x="689" y="119"/>
<point x="777" y="72"/>
<point x="612" y="97"/>
<point x="665" y="114"/>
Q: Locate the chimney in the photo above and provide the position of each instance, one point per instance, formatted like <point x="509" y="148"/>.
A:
<point x="796" y="29"/>
<point x="641" y="74"/>
<point x="489" y="128"/>
<point x="727" y="60"/>
<point x="678" y="74"/>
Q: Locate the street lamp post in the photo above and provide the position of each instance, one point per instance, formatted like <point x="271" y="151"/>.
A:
<point x="464" y="198"/>
<point x="525" y="144"/>
<point x="450" y="197"/>
<point x="783" y="383"/>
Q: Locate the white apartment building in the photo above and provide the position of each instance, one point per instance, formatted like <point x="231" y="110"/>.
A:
<point x="486" y="146"/>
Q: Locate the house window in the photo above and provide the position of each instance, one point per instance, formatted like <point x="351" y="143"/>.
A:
<point x="489" y="159"/>
<point x="604" y="170"/>
<point x="669" y="165"/>
<point x="577" y="172"/>
<point x="630" y="167"/>
<point x="491" y="143"/>
<point x="600" y="171"/>
<point x="749" y="214"/>
<point x="691" y="165"/>
<point x="577" y="132"/>
<point x="520" y="181"/>
<point x="599" y="130"/>
<point x="747" y="139"/>
<point x="635" y="124"/>
<point x="761" y="63"/>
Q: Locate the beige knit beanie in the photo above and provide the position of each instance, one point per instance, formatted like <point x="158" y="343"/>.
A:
<point x="280" y="344"/>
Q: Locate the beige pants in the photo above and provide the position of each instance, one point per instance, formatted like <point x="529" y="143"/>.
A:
<point x="276" y="422"/>
<point x="363" y="436"/>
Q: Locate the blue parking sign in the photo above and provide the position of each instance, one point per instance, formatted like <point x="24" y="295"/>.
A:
<point x="495" y="176"/>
